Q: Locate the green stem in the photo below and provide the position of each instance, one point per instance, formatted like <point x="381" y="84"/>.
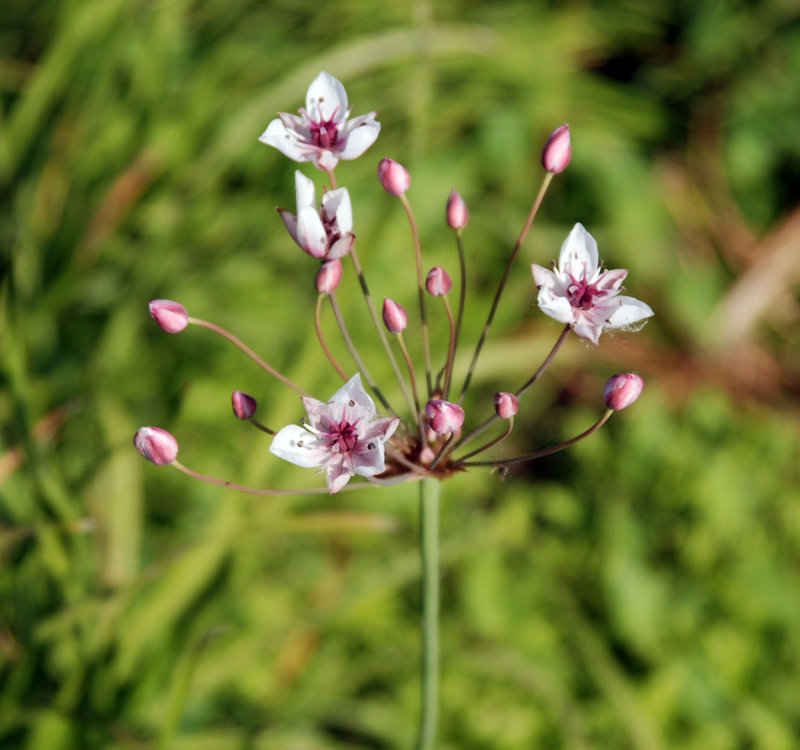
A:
<point x="429" y="547"/>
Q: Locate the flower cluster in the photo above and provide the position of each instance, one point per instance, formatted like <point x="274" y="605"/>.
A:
<point x="345" y="436"/>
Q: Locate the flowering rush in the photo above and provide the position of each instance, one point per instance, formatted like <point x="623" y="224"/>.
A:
<point x="433" y="435"/>
<point x="323" y="133"/>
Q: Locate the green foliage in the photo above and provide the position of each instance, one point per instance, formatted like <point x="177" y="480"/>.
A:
<point x="638" y="591"/>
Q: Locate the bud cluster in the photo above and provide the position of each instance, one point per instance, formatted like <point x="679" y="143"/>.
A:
<point x="349" y="436"/>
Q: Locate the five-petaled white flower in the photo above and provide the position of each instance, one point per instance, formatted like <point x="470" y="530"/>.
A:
<point x="327" y="233"/>
<point x="579" y="292"/>
<point x="323" y="133"/>
<point x="341" y="436"/>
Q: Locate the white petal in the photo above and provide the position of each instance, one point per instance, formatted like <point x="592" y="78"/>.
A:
<point x="326" y="98"/>
<point x="279" y="137"/>
<point x="557" y="308"/>
<point x="360" y="139"/>
<point x="353" y="391"/>
<point x="341" y="247"/>
<point x="586" y="328"/>
<point x="310" y="232"/>
<point x="368" y="463"/>
<point x="337" y="476"/>
<point x="304" y="190"/>
<point x="336" y="204"/>
<point x="325" y="159"/>
<point x="298" y="446"/>
<point x="543" y="276"/>
<point x="579" y="253"/>
<point x="630" y="311"/>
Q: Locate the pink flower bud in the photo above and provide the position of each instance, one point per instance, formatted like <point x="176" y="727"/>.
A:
<point x="329" y="276"/>
<point x="393" y="176"/>
<point x="444" y="417"/>
<point x="244" y="405"/>
<point x="156" y="445"/>
<point x="622" y="390"/>
<point x="171" y="316"/>
<point x="457" y="212"/>
<point x="438" y="283"/>
<point x="506" y="404"/>
<point x="394" y="316"/>
<point x="557" y="151"/>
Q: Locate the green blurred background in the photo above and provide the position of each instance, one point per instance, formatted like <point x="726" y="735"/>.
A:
<point x="638" y="591"/>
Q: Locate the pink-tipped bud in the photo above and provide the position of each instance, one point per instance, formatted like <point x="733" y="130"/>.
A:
<point x="457" y="212"/>
<point x="329" y="276"/>
<point x="506" y="405"/>
<point x="622" y="390"/>
<point x="393" y="176"/>
<point x="557" y="151"/>
<point x="444" y="417"/>
<point x="244" y="405"/>
<point x="394" y="316"/>
<point x="171" y="316"/>
<point x="438" y="283"/>
<point x="156" y="445"/>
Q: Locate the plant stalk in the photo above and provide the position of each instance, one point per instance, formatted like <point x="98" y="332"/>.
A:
<point x="429" y="547"/>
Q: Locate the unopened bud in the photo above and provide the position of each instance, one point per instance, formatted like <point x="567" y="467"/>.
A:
<point x="156" y="445"/>
<point x="393" y="176"/>
<point x="244" y="405"/>
<point x="171" y="316"/>
<point x="457" y="212"/>
<point x="329" y="276"/>
<point x="394" y="316"/>
<point x="506" y="405"/>
<point x="438" y="283"/>
<point x="622" y="390"/>
<point x="557" y="151"/>
<point x="444" y="417"/>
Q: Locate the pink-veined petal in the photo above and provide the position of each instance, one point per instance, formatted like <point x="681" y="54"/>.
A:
<point x="369" y="459"/>
<point x="337" y="475"/>
<point x="341" y="247"/>
<point x="363" y="405"/>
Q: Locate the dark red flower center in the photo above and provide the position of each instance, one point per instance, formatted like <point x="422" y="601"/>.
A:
<point x="581" y="295"/>
<point x="343" y="437"/>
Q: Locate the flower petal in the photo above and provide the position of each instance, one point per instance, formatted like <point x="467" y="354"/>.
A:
<point x="628" y="312"/>
<point x="326" y="98"/>
<point x="579" y="255"/>
<point x="304" y="190"/>
<point x="279" y="137"/>
<point x="336" y="205"/>
<point x="337" y="475"/>
<point x="298" y="446"/>
<point x="360" y="138"/>
<point x="363" y="405"/>
<point x="311" y="233"/>
<point x="368" y="460"/>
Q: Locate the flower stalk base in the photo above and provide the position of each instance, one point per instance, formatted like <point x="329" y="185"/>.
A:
<point x="429" y="548"/>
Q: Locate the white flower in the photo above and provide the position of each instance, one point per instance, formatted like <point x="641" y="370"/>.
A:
<point x="327" y="233"/>
<point x="322" y="134"/>
<point x="343" y="436"/>
<point x="579" y="292"/>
